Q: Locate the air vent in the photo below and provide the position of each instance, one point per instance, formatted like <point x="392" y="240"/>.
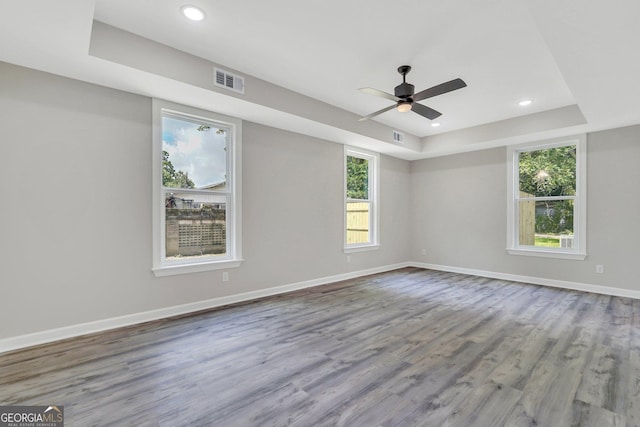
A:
<point x="228" y="81"/>
<point x="398" y="137"/>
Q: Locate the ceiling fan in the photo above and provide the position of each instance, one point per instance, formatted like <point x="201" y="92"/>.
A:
<point x="406" y="100"/>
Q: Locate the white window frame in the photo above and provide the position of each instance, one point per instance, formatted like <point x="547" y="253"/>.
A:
<point x="373" y="200"/>
<point x="233" y="258"/>
<point x="579" y="250"/>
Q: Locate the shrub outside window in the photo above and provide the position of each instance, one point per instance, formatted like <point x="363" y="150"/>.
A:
<point x="547" y="207"/>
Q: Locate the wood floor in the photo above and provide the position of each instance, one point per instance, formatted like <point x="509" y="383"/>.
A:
<point x="411" y="347"/>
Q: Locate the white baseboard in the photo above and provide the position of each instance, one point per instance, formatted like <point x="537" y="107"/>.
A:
<point x="29" y="340"/>
<point x="584" y="287"/>
<point x="37" y="338"/>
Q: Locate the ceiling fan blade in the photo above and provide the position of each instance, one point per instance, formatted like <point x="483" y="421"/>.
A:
<point x="362" y="119"/>
<point x="440" y="89"/>
<point x="424" y="111"/>
<point x="376" y="92"/>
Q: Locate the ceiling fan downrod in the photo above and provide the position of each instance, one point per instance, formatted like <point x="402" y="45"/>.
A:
<point x="404" y="90"/>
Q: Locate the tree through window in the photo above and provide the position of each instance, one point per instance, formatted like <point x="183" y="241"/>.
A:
<point x="548" y="210"/>
<point x="360" y="199"/>
<point x="195" y="155"/>
<point x="547" y="191"/>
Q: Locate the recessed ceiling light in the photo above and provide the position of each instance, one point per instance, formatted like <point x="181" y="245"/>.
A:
<point x="525" y="102"/>
<point x="435" y="125"/>
<point x="193" y="13"/>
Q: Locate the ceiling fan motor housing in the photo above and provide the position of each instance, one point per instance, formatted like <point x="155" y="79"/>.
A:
<point x="404" y="90"/>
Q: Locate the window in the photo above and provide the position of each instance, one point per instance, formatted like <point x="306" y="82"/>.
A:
<point x="361" y="200"/>
<point x="547" y="203"/>
<point x="196" y="199"/>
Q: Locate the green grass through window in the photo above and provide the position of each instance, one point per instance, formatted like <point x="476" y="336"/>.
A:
<point x="550" y="242"/>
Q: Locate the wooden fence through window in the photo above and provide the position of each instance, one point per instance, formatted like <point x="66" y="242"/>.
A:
<point x="358" y="222"/>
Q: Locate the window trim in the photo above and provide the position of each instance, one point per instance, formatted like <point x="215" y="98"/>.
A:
<point x="160" y="266"/>
<point x="374" y="200"/>
<point x="579" y="252"/>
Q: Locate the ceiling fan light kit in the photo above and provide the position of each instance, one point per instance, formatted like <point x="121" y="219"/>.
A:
<point x="403" y="107"/>
<point x="406" y="98"/>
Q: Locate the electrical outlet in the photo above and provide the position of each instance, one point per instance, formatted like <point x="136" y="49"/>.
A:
<point x="600" y="269"/>
<point x="225" y="276"/>
<point x="424" y="252"/>
<point x="348" y="258"/>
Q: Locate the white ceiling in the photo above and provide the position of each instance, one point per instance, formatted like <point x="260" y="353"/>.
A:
<point x="556" y="52"/>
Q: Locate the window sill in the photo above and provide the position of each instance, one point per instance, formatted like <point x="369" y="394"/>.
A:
<point x="545" y="253"/>
<point x="364" y="248"/>
<point x="172" y="270"/>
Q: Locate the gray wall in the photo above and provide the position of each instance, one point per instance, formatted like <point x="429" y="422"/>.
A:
<point x="76" y="214"/>
<point x="459" y="211"/>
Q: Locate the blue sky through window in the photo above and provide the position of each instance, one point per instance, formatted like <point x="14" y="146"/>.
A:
<point x="200" y="154"/>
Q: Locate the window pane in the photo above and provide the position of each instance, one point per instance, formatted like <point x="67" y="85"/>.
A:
<point x="193" y="154"/>
<point x="357" y="178"/>
<point x="195" y="225"/>
<point x="546" y="223"/>
<point x="358" y="222"/>
<point x="548" y="172"/>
